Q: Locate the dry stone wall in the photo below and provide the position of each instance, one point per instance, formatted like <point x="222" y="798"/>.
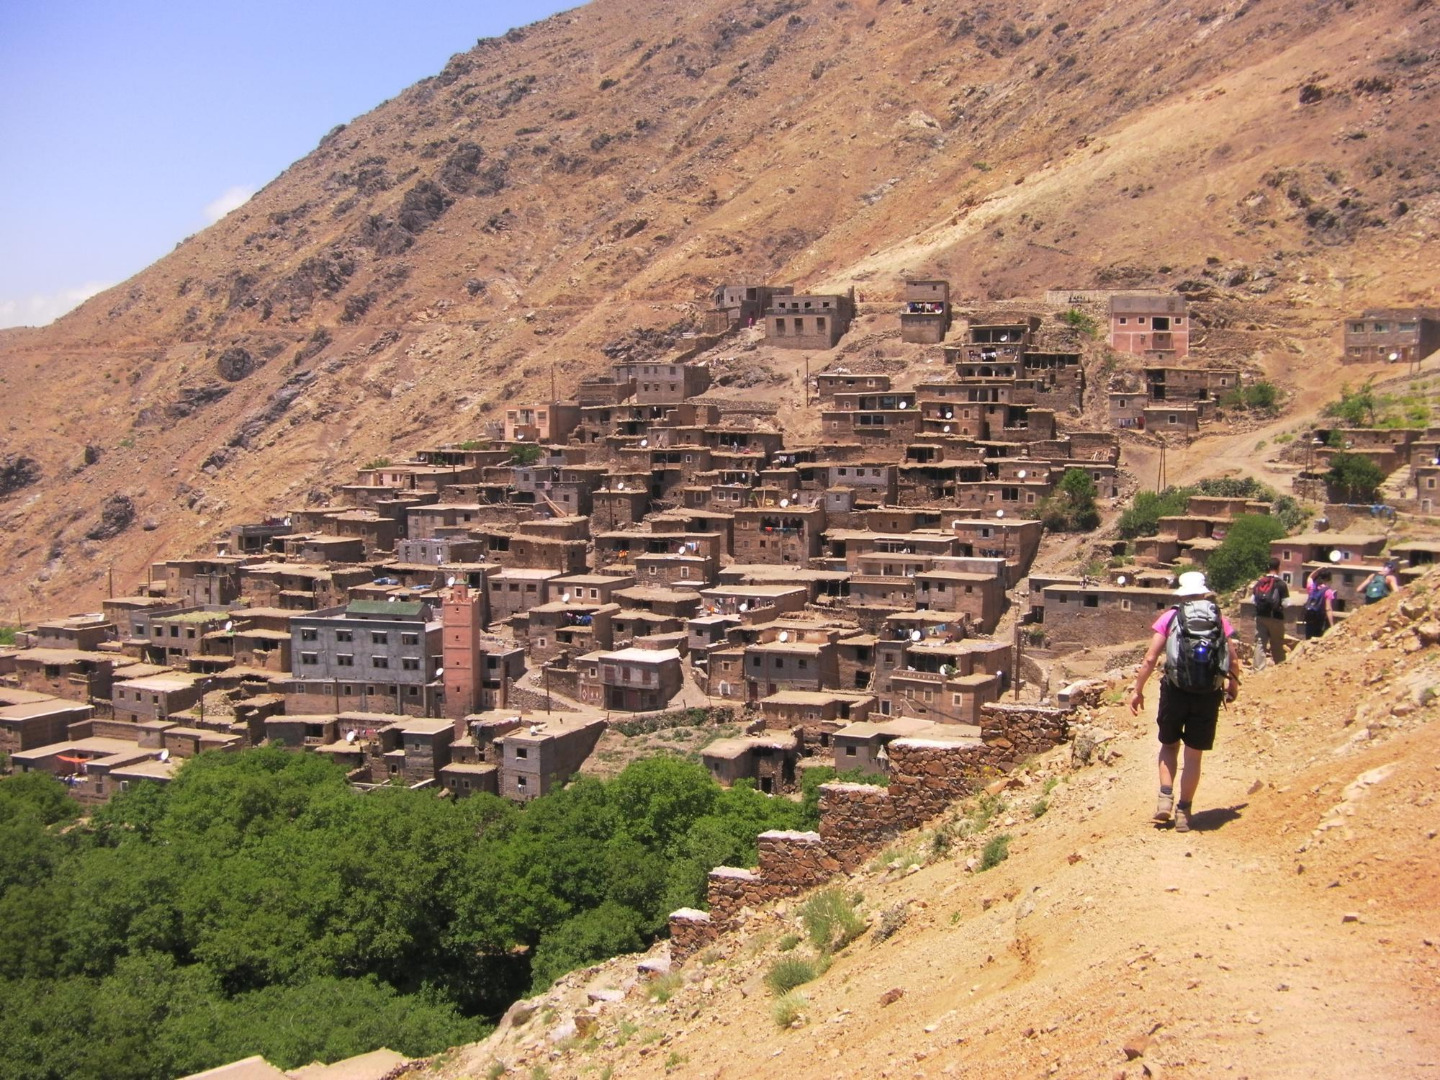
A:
<point x="856" y="820"/>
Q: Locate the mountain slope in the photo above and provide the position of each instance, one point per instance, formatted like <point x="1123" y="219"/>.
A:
<point x="607" y="168"/>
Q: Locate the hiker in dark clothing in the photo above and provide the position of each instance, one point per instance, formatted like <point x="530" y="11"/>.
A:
<point x="1187" y="715"/>
<point x="1319" y="604"/>
<point x="1270" y="593"/>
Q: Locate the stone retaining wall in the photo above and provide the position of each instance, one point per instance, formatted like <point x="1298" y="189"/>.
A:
<point x="856" y="819"/>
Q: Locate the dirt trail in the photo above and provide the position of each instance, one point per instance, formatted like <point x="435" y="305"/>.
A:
<point x="1232" y="949"/>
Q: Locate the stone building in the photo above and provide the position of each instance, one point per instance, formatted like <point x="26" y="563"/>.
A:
<point x="544" y="754"/>
<point x="369" y="655"/>
<point x="778" y="534"/>
<point x="630" y="680"/>
<point x="548" y="423"/>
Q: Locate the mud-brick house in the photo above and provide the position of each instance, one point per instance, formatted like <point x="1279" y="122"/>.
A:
<point x="742" y="305"/>
<point x="198" y="582"/>
<point x="1391" y="335"/>
<point x="843" y="381"/>
<point x="1081" y="616"/>
<point x="371" y="655"/>
<point x="630" y="680"/>
<point x="548" y="423"/>
<point x="79" y="632"/>
<point x="536" y="757"/>
<point x="1172" y="419"/>
<point x="861" y="746"/>
<point x="157" y="696"/>
<point x="768" y="759"/>
<point x="925" y="316"/>
<point x="1334" y="549"/>
<point x="575" y="628"/>
<point x="791" y="656"/>
<point x="658" y="383"/>
<point x="811" y="321"/>
<point x="29" y="720"/>
<point x="1156" y="327"/>
<point x="776" y="534"/>
<point x="817" y="713"/>
<point x="65" y="673"/>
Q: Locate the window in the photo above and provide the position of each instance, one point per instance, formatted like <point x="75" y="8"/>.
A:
<point x="412" y="663"/>
<point x="520" y="783"/>
<point x="799" y="326"/>
<point x="522" y="752"/>
<point x="380" y="661"/>
<point x="409" y="639"/>
<point x="309" y="633"/>
<point x="344" y="660"/>
<point x="344" y="635"/>
<point x="820" y="322"/>
<point x="309" y="658"/>
<point x="849" y="751"/>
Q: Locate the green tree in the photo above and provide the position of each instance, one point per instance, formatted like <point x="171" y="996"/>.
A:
<point x="1142" y="516"/>
<point x="1071" y="508"/>
<point x="525" y="453"/>
<point x="592" y="935"/>
<point x="1354" y="477"/>
<point x="1244" y="553"/>
<point x="1355" y="407"/>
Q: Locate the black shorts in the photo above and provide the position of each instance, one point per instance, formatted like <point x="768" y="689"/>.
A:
<point x="1187" y="717"/>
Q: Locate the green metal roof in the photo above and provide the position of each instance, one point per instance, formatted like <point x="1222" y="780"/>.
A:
<point x="399" y="609"/>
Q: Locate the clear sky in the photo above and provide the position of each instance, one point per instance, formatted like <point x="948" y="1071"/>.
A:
<point x="127" y="126"/>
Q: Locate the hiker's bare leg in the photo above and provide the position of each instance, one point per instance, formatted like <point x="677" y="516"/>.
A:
<point x="1169" y="753"/>
<point x="1190" y="778"/>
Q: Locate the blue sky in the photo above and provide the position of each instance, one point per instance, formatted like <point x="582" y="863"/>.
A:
<point x="125" y="127"/>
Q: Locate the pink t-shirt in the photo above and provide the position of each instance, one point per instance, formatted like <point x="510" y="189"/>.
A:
<point x="1162" y="624"/>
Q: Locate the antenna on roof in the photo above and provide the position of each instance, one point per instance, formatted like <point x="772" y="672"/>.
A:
<point x="439" y="671"/>
<point x="450" y="580"/>
<point x="390" y="599"/>
<point x="565" y="598"/>
<point x="229" y="625"/>
<point x="1120" y="580"/>
<point x="784" y="636"/>
<point x="1336" y="555"/>
<point x="744" y="605"/>
<point x="1020" y="475"/>
<point x="784" y="503"/>
<point x="164" y="755"/>
<point x="915" y="635"/>
<point x="350" y="736"/>
<point x="947" y="429"/>
<point x="999" y="513"/>
<point x="644" y="443"/>
<point x="904" y="404"/>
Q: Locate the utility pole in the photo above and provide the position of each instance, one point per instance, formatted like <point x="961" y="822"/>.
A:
<point x="1162" y="477"/>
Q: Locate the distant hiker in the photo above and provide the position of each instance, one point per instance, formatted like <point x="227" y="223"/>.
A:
<point x="1382" y="583"/>
<point x="1201" y="670"/>
<point x="1270" y="593"/>
<point x="1319" y="604"/>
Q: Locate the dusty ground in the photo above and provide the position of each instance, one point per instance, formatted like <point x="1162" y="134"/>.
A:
<point x="1294" y="932"/>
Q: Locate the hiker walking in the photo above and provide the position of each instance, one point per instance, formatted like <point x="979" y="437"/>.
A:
<point x="1319" y="604"/>
<point x="1270" y="593"/>
<point x="1201" y="670"/>
<point x="1382" y="583"/>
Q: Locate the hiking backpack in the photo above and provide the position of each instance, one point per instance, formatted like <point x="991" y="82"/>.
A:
<point x="1377" y="588"/>
<point x="1268" y="604"/>
<point x="1197" y="658"/>
<point x="1315" y="599"/>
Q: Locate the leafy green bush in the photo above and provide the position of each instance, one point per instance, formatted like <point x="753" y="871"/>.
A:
<point x="1259" y="396"/>
<point x="831" y="920"/>
<point x="1244" y="553"/>
<point x="7" y="635"/>
<point x="378" y="463"/>
<point x="1354" y="476"/>
<point x="1071" y="508"/>
<point x="1354" y="407"/>
<point x="1142" y="517"/>
<point x="812" y="780"/>
<point x="1081" y="321"/>
<point x="525" y="454"/>
<point x="789" y="972"/>
<point x="995" y="852"/>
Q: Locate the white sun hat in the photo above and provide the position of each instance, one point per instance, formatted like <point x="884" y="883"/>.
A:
<point x="1192" y="584"/>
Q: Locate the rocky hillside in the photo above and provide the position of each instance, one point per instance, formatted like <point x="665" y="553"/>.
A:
<point x="604" y="170"/>
<point x="1292" y="932"/>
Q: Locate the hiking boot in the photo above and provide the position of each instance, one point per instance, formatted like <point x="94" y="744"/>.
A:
<point x="1182" y="820"/>
<point x="1162" y="808"/>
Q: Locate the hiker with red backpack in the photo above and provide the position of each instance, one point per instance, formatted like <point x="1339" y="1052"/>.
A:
<point x="1201" y="671"/>
<point x="1270" y="593"/>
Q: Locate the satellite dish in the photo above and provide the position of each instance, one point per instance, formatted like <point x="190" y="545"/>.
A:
<point x="534" y="729"/>
<point x="904" y="404"/>
<point x="784" y="636"/>
<point x="350" y="736"/>
<point x="390" y="599"/>
<point x="1121" y="580"/>
<point x="565" y="598"/>
<point x="1020" y="475"/>
<point x="784" y="503"/>
<point x="999" y="513"/>
<point x="450" y="580"/>
<point x="439" y="671"/>
<point x="229" y="625"/>
<point x="1394" y="356"/>
<point x="620" y="486"/>
<point x="744" y="605"/>
<point x="947" y="429"/>
<point x="1336" y="555"/>
<point x="949" y="414"/>
<point x="287" y="522"/>
<point x="164" y="755"/>
<point x="915" y="635"/>
<point x="644" y="443"/>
